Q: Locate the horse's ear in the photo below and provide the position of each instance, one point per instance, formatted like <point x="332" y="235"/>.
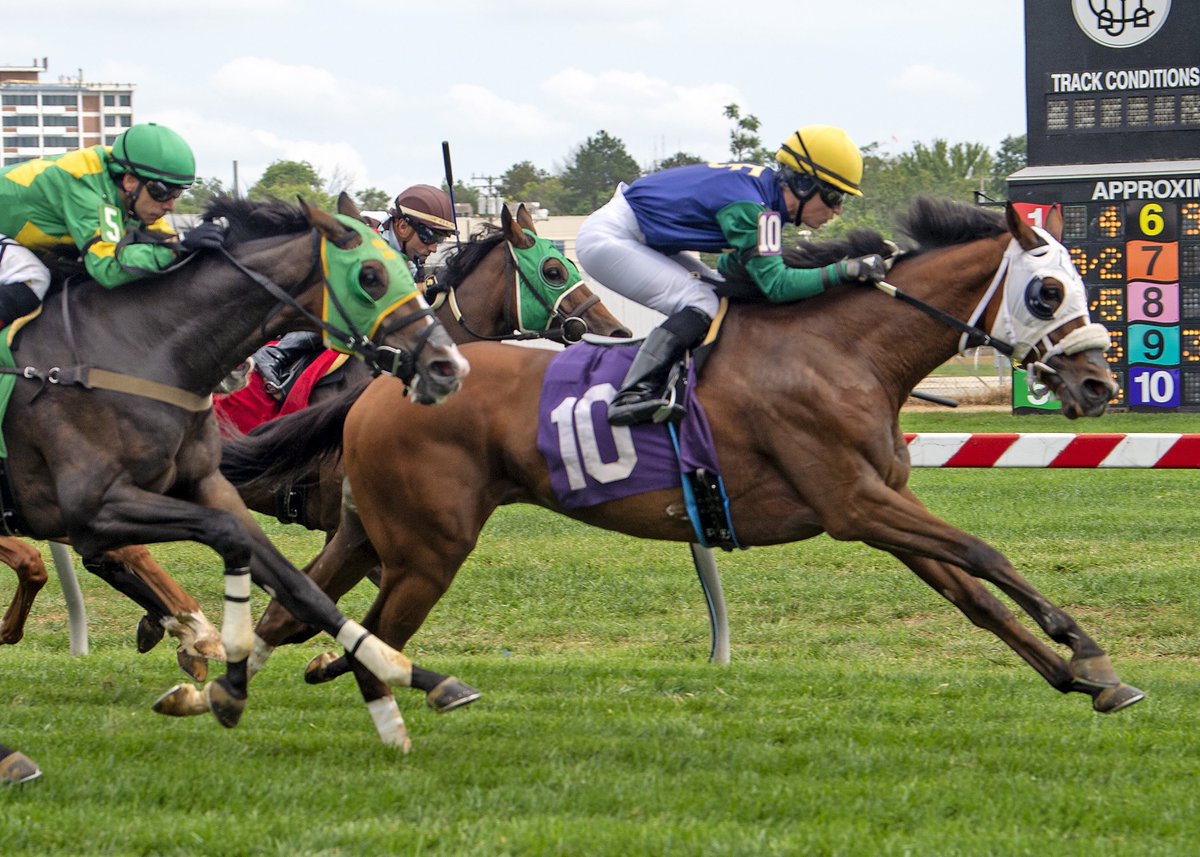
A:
<point x="525" y="218"/>
<point x="346" y="206"/>
<point x="1054" y="222"/>
<point x="328" y="226"/>
<point x="1020" y="228"/>
<point x="512" y="230"/>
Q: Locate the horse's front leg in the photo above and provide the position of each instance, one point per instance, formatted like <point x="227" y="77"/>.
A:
<point x="346" y="558"/>
<point x="130" y="515"/>
<point x="301" y="597"/>
<point x="31" y="577"/>
<point x="404" y="600"/>
<point x="985" y="611"/>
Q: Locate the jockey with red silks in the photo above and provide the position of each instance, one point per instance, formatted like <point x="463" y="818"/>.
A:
<point x="108" y="204"/>
<point x="637" y="246"/>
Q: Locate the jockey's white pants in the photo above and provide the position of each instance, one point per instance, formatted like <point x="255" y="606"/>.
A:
<point x="612" y="249"/>
<point x="19" y="265"/>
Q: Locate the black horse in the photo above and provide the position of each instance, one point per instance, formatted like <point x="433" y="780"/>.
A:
<point x="110" y="433"/>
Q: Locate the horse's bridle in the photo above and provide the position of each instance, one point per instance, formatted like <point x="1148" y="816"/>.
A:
<point x="399" y="363"/>
<point x="1037" y="358"/>
<point x="570" y="328"/>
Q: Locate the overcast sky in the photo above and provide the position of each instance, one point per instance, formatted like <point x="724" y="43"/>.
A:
<point x="368" y="90"/>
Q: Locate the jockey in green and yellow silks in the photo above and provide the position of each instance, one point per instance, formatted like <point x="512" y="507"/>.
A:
<point x="106" y="203"/>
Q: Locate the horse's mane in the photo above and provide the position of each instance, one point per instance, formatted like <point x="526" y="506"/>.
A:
<point x="462" y="259"/>
<point x="932" y="223"/>
<point x="248" y="219"/>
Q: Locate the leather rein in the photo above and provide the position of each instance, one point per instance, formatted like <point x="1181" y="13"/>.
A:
<point x="385" y="359"/>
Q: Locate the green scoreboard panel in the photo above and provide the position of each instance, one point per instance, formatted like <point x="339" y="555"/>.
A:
<point x="1139" y="256"/>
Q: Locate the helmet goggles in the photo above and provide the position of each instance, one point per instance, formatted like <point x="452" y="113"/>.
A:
<point x="160" y="191"/>
<point x="426" y="234"/>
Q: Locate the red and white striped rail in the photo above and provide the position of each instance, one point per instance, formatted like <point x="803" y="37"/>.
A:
<point x="1140" y="451"/>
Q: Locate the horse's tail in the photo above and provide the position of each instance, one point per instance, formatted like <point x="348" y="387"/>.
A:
<point x="285" y="448"/>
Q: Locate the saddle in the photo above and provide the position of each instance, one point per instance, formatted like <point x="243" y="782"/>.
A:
<point x="705" y="499"/>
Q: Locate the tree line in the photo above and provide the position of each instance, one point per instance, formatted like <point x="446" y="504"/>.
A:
<point x="593" y="168"/>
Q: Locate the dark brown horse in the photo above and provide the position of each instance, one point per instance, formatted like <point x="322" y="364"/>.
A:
<point x="110" y="432"/>
<point x="803" y="402"/>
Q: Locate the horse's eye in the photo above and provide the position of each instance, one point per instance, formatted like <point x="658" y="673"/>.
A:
<point x="554" y="272"/>
<point x="1043" y="297"/>
<point x="373" y="281"/>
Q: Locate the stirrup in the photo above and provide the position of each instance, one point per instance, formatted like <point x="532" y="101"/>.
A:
<point x="646" y="406"/>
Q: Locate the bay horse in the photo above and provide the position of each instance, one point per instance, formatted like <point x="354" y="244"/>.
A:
<point x="501" y="285"/>
<point x="803" y="402"/>
<point x="110" y="434"/>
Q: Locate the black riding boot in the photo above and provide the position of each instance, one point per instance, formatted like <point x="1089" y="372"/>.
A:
<point x="643" y="396"/>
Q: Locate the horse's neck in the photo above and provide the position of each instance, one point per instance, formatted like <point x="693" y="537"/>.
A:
<point x="485" y="298"/>
<point x="954" y="280"/>
<point x="188" y="328"/>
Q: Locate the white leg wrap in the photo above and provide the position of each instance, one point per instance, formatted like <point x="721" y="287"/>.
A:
<point x="237" y="629"/>
<point x="389" y="723"/>
<point x="258" y="656"/>
<point x="385" y="663"/>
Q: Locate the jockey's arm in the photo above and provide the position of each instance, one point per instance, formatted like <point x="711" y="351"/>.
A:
<point x="96" y="227"/>
<point x="740" y="221"/>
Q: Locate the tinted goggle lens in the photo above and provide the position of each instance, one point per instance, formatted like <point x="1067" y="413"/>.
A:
<point x="425" y="234"/>
<point x="161" y="191"/>
<point x="831" y="196"/>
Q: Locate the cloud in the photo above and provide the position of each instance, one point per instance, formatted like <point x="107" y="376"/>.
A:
<point x="276" y="85"/>
<point x="930" y="80"/>
<point x="640" y="106"/>
<point x="482" y="113"/>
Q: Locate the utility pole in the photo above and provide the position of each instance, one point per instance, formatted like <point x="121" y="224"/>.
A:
<point x="487" y="184"/>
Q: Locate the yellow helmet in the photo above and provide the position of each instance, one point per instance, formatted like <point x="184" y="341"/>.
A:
<point x="826" y="153"/>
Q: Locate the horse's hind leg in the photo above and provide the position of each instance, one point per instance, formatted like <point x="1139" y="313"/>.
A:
<point x="987" y="612"/>
<point x="134" y="572"/>
<point x="896" y="521"/>
<point x="31" y="577"/>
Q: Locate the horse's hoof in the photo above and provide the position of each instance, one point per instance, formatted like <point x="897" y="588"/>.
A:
<point x="195" y="667"/>
<point x="183" y="700"/>
<point x="225" y="704"/>
<point x="451" y="693"/>
<point x="1113" y="699"/>
<point x="1096" y="671"/>
<point x="314" y="673"/>
<point x="18" y="768"/>
<point x="209" y="649"/>
<point x="149" y="632"/>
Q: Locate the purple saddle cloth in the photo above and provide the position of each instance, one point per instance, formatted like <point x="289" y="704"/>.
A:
<point x="592" y="462"/>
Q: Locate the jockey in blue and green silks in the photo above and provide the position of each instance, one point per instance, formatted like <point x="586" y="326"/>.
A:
<point x="99" y="201"/>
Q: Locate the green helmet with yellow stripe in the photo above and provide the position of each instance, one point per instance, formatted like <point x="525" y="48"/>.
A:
<point x="154" y="152"/>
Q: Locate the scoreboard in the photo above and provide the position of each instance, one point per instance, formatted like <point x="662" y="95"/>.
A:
<point x="1140" y="261"/>
<point x="1113" y="110"/>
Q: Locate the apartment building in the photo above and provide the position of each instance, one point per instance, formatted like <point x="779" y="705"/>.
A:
<point x="41" y="118"/>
